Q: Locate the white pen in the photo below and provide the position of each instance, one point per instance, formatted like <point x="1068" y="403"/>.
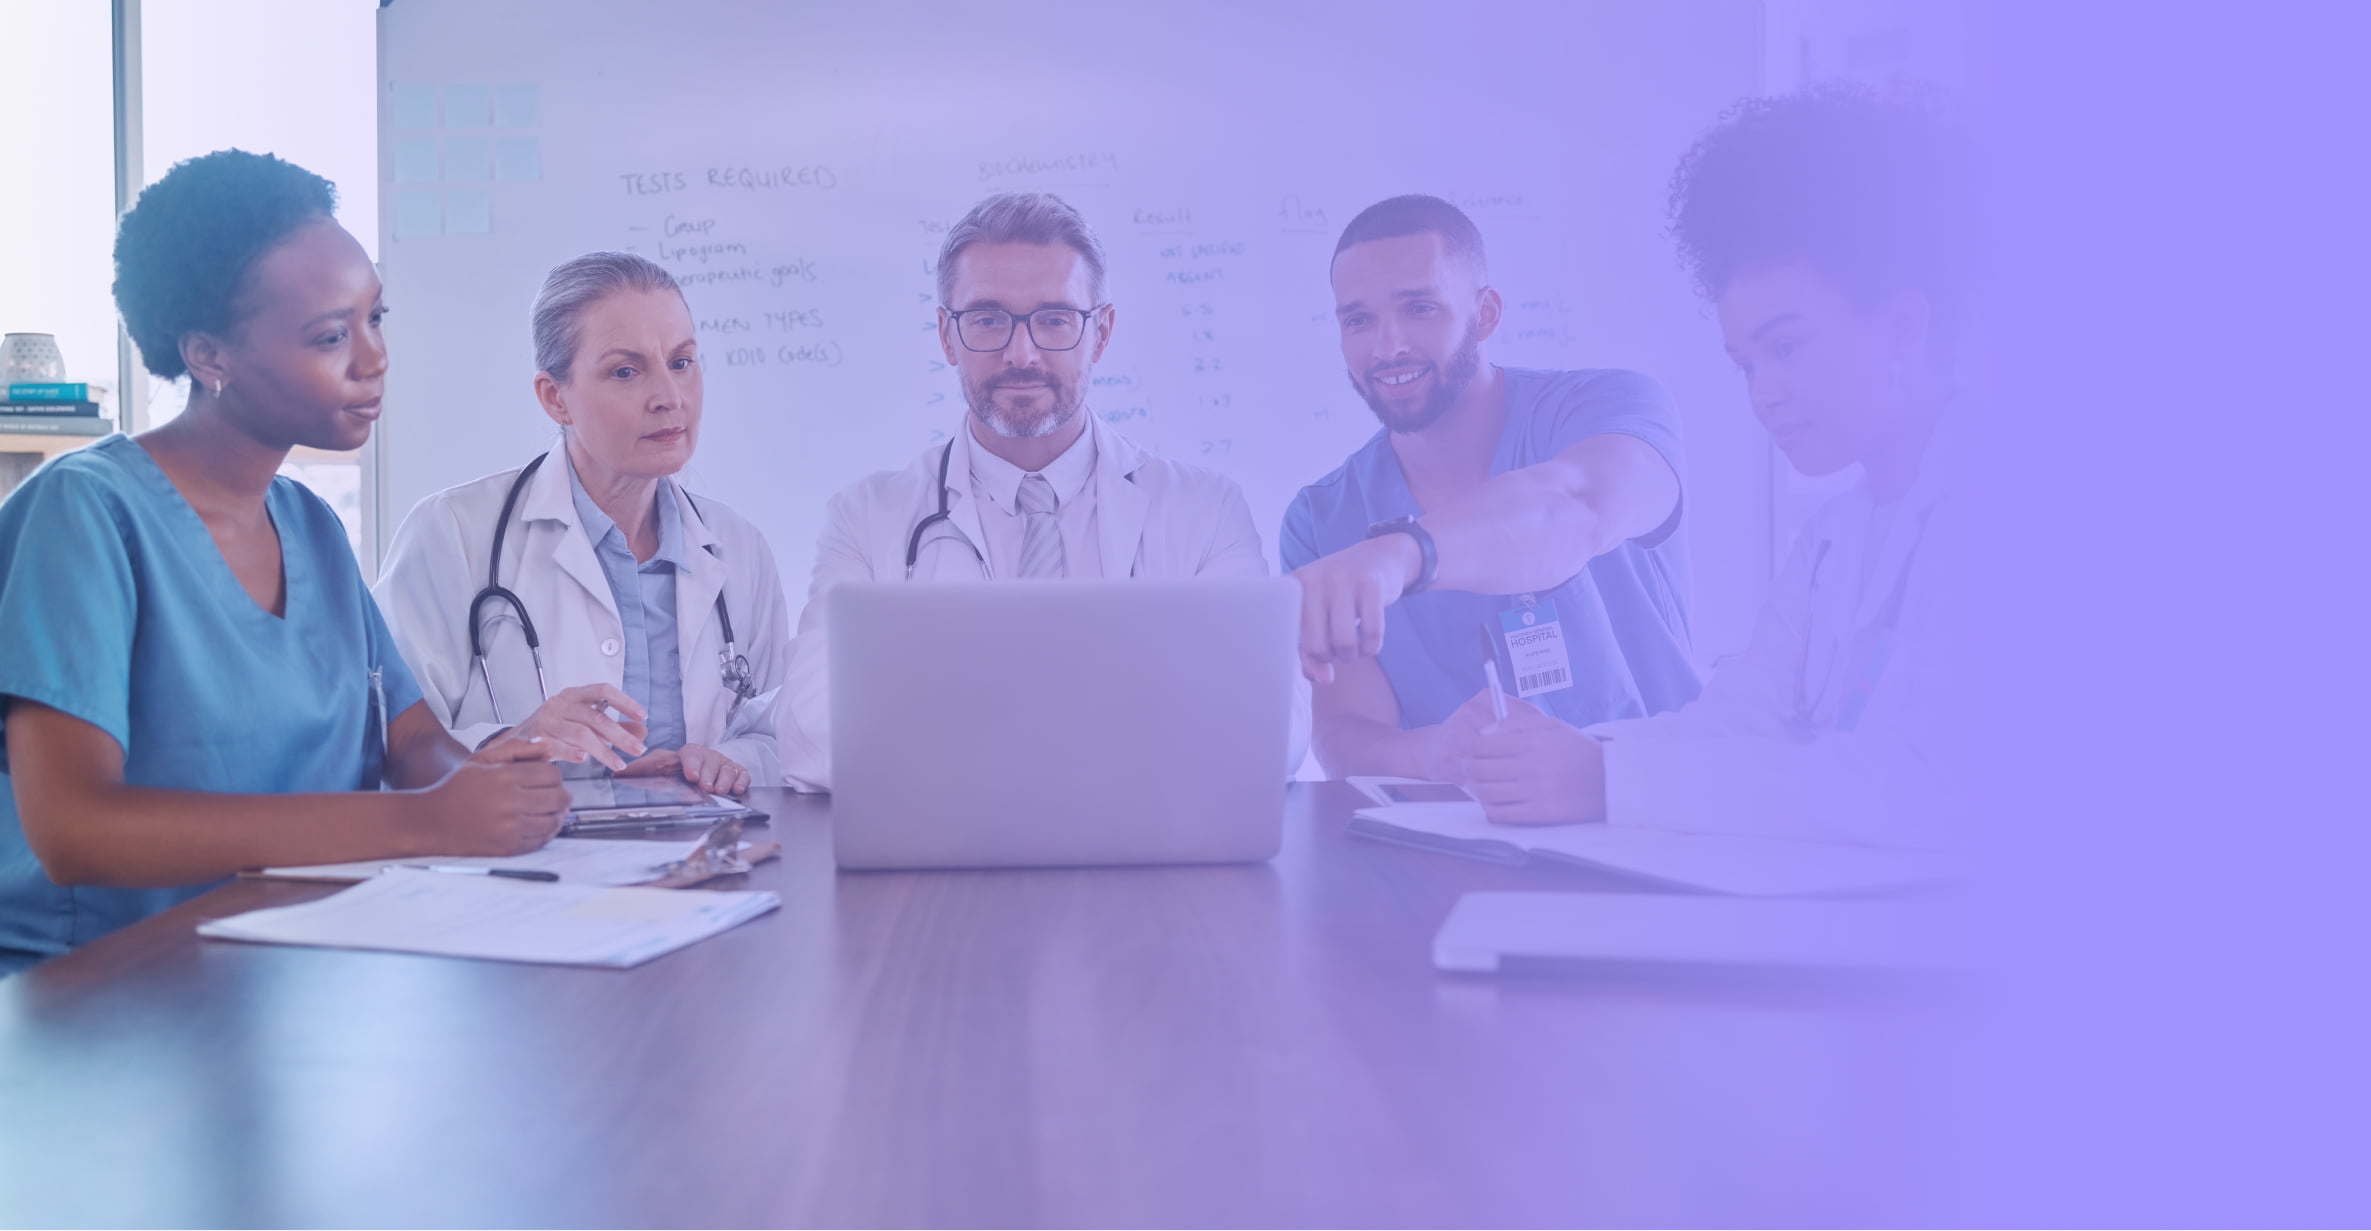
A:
<point x="1498" y="692"/>
<point x="516" y="874"/>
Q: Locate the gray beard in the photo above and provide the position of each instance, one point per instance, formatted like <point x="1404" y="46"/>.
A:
<point x="995" y="420"/>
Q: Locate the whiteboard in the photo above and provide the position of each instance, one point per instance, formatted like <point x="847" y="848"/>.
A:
<point x="796" y="165"/>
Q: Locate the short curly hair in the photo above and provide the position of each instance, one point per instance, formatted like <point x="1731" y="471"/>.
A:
<point x="185" y="251"/>
<point x="1867" y="184"/>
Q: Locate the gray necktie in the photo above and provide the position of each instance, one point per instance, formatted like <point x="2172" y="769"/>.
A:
<point x="1041" y="531"/>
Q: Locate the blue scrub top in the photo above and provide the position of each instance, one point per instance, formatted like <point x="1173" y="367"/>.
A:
<point x="1624" y="616"/>
<point x="121" y="611"/>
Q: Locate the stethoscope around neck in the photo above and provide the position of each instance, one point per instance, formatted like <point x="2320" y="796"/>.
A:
<point x="731" y="665"/>
<point x="914" y="540"/>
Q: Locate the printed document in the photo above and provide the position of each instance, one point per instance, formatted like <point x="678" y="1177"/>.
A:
<point x="407" y="911"/>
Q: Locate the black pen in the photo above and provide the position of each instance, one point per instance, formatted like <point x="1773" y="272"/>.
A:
<point x="516" y="874"/>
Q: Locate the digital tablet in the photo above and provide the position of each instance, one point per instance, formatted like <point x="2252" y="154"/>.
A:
<point x="639" y="803"/>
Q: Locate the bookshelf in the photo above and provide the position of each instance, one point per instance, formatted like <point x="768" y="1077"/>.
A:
<point x="45" y="444"/>
<point x="23" y="452"/>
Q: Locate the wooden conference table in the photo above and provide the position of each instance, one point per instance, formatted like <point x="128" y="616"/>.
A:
<point x="1169" y="1046"/>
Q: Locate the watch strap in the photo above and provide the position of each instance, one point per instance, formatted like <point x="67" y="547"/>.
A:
<point x="1428" y="557"/>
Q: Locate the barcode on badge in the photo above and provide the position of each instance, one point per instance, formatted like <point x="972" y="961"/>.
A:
<point x="1554" y="677"/>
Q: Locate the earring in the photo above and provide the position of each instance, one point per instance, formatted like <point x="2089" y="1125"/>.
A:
<point x="218" y="388"/>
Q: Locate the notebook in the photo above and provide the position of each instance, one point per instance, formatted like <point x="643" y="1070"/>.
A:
<point x="1718" y="862"/>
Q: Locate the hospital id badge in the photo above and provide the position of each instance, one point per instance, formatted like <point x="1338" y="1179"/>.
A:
<point x="1535" y="649"/>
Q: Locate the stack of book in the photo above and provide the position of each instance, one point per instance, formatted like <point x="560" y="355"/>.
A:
<point x="52" y="409"/>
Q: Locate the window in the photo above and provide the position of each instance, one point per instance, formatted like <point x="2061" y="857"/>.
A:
<point x="57" y="223"/>
<point x="295" y="78"/>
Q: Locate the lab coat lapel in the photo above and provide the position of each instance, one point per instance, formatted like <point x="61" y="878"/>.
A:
<point x="1893" y="556"/>
<point x="1826" y="621"/>
<point x="697" y="584"/>
<point x="948" y="562"/>
<point x="1897" y="554"/>
<point x="1120" y="505"/>
<point x="548" y="500"/>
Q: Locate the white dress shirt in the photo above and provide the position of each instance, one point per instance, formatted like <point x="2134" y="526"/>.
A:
<point x="997" y="484"/>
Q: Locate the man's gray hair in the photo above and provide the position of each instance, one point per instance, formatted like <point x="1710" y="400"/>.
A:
<point x="1021" y="218"/>
<point x="574" y="286"/>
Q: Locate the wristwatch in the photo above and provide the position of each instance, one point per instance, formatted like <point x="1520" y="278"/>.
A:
<point x="1429" y="559"/>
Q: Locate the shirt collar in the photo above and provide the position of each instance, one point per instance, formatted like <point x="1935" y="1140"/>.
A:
<point x="1000" y="481"/>
<point x="600" y="528"/>
<point x="1376" y="464"/>
<point x="1940" y="467"/>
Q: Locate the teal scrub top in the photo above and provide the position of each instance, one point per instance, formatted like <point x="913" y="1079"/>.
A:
<point x="1624" y="616"/>
<point x="120" y="611"/>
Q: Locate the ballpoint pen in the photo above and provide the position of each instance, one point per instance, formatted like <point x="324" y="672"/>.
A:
<point x="1498" y="692"/>
<point x="516" y="874"/>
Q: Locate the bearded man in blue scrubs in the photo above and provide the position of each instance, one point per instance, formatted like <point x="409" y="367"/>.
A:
<point x="1526" y="517"/>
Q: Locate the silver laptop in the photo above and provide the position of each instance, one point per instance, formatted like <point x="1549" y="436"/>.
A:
<point x="1060" y="722"/>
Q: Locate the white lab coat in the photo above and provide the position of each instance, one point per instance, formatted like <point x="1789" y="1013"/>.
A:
<point x="438" y="562"/>
<point x="1154" y="518"/>
<point x="1760" y="753"/>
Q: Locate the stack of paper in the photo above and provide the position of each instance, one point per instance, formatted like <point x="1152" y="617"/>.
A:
<point x="408" y="911"/>
<point x="1719" y="862"/>
<point x="576" y="861"/>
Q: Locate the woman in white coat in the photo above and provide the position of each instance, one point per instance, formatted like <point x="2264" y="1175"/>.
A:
<point x="1826" y="229"/>
<point x="585" y="598"/>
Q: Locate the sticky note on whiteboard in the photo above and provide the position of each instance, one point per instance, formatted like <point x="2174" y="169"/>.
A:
<point x="418" y="213"/>
<point x="415" y="160"/>
<point x="412" y="105"/>
<point x="518" y="159"/>
<point x="468" y="106"/>
<point x="467" y="160"/>
<point x="516" y="105"/>
<point x="468" y="211"/>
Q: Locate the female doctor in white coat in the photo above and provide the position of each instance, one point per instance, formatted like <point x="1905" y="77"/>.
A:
<point x="1826" y="229"/>
<point x="585" y="598"/>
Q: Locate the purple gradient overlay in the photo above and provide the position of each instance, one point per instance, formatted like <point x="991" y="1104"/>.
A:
<point x="2175" y="1030"/>
<point x="2172" y="782"/>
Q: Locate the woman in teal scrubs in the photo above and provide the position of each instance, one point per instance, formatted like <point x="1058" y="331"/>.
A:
<point x="194" y="679"/>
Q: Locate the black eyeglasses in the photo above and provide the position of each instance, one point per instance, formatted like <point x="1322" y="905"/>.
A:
<point x="991" y="329"/>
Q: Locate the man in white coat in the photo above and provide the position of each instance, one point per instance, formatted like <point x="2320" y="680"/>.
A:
<point x="1032" y="484"/>
<point x="1826" y="229"/>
